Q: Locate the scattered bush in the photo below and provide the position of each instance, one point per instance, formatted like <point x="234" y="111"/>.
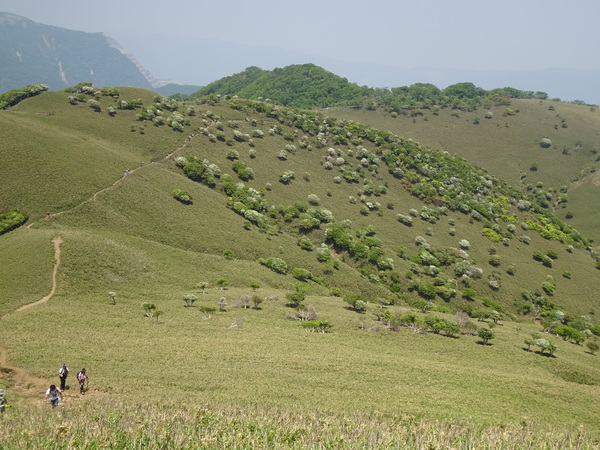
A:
<point x="182" y="196"/>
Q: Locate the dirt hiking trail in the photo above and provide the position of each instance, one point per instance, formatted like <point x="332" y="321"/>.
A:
<point x="57" y="241"/>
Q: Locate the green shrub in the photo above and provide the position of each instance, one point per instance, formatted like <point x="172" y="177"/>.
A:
<point x="301" y="274"/>
<point x="485" y="334"/>
<point x="182" y="196"/>
<point x="319" y="326"/>
<point x="11" y="220"/>
<point x="276" y="264"/>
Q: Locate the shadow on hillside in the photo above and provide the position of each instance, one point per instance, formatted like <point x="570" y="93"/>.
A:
<point x="538" y="352"/>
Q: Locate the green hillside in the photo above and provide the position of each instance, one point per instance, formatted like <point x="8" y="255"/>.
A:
<point x="301" y="86"/>
<point x="505" y="140"/>
<point x="499" y="130"/>
<point x="281" y="221"/>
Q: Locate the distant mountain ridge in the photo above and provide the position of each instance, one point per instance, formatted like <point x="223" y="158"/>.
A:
<point x="35" y="53"/>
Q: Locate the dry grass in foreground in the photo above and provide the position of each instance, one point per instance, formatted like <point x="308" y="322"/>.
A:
<point x="110" y="423"/>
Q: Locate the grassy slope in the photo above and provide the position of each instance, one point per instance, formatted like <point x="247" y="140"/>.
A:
<point x="507" y="146"/>
<point x="51" y="150"/>
<point x="135" y="239"/>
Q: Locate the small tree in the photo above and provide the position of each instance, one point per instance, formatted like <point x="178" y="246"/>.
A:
<point x="189" y="299"/>
<point x="222" y="283"/>
<point x="485" y="334"/>
<point x="256" y="301"/>
<point x="222" y="304"/>
<point x="150" y="309"/>
<point x="206" y="311"/>
<point x="592" y="347"/>
<point x="157" y="313"/>
<point x="202" y="286"/>
<point x="296" y="298"/>
<point x="357" y="302"/>
<point x="496" y="316"/>
<point x="254" y="285"/>
<point x="245" y="301"/>
<point x="113" y="297"/>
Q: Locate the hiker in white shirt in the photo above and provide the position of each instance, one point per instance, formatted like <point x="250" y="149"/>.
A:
<point x="54" y="394"/>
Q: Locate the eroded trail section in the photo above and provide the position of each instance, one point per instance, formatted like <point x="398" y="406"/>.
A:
<point x="57" y="241"/>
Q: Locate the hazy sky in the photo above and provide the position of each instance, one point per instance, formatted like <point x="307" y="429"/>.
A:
<point x="458" y="34"/>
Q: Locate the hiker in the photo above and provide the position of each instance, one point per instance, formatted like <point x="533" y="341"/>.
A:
<point x="62" y="374"/>
<point x="82" y="378"/>
<point x="3" y="401"/>
<point x="54" y="394"/>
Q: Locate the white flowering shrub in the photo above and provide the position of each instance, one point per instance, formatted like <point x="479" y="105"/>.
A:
<point x="413" y="212"/>
<point x="420" y="240"/>
<point x="385" y="264"/>
<point x="494" y="284"/>
<point x="282" y="155"/>
<point x="254" y="217"/>
<point x="313" y="199"/>
<point x="525" y="239"/>
<point x="180" y="161"/>
<point x="323" y="253"/>
<point x="463" y="243"/>
<point x="327" y="165"/>
<point x="239" y="136"/>
<point x="337" y="180"/>
<point x="94" y="104"/>
<point x="398" y="172"/>
<point x="406" y="220"/>
<point x="463" y="255"/>
<point x="286" y="177"/>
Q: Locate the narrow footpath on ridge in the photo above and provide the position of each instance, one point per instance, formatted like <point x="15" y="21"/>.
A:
<point x="118" y="180"/>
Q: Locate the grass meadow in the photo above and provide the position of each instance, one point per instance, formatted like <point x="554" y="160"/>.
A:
<point x="254" y="377"/>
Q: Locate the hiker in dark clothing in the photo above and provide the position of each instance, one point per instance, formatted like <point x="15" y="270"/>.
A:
<point x="62" y="374"/>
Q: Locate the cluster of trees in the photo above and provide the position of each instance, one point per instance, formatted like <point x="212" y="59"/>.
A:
<point x="309" y="86"/>
<point x="13" y="97"/>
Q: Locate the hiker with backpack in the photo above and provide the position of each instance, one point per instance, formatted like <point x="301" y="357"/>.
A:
<point x="3" y="401"/>
<point x="82" y="378"/>
<point x="54" y="394"/>
<point x="62" y="374"/>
